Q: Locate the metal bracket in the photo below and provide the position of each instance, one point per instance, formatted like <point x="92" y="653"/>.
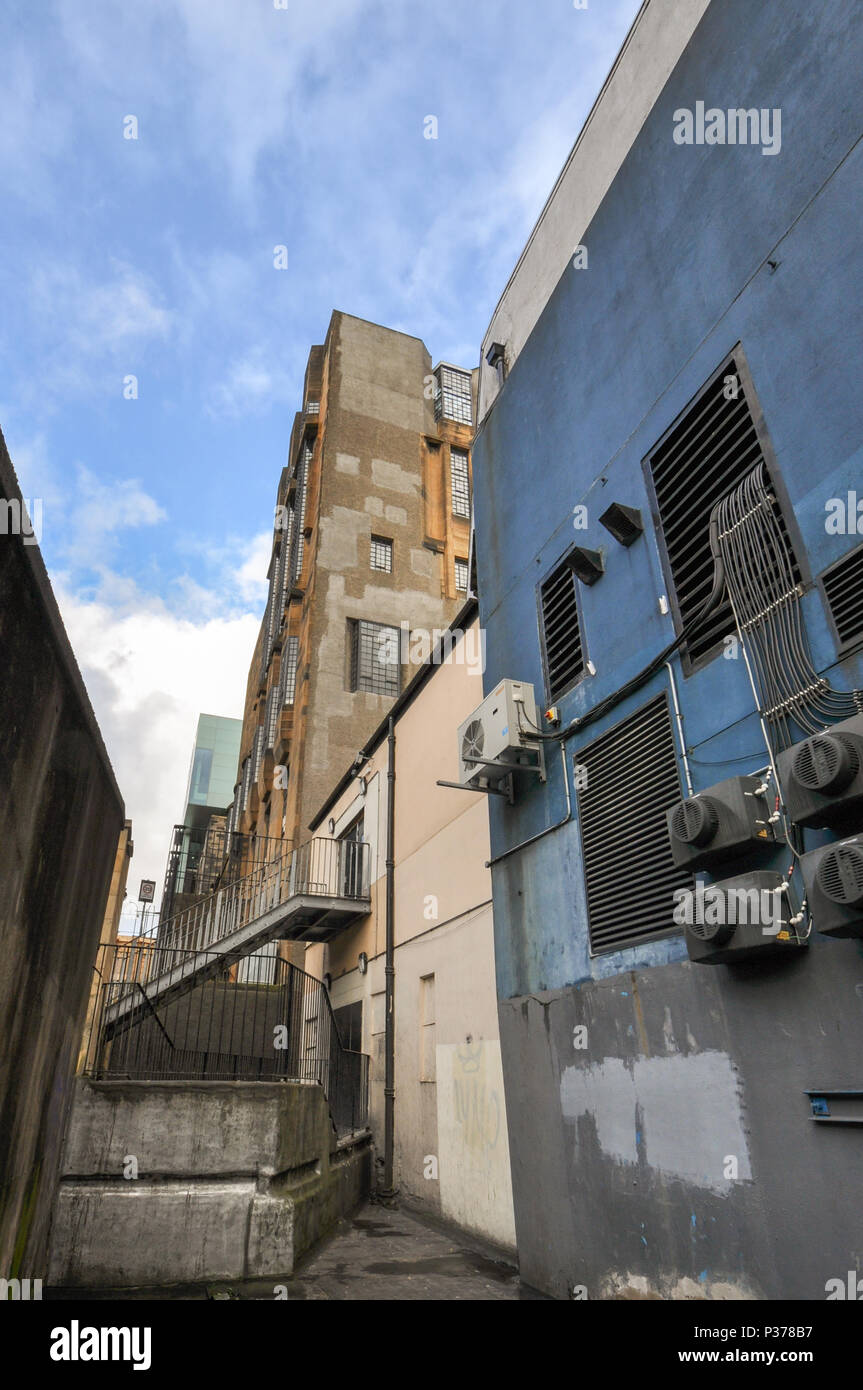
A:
<point x="820" y="1102"/>
<point x="487" y="791"/>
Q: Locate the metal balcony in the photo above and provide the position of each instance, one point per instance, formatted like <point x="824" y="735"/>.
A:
<point x="311" y="893"/>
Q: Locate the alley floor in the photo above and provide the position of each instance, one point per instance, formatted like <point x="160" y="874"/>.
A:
<point x="378" y="1253"/>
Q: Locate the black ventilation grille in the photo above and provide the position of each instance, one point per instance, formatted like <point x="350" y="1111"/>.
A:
<point x="843" y="585"/>
<point x="629" y="778"/>
<point x="561" y="632"/>
<point x="707" y="453"/>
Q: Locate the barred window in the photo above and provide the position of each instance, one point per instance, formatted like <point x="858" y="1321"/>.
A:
<point x="288" y="674"/>
<point x="460" y="479"/>
<point x="273" y="712"/>
<point x="299" y="518"/>
<point x="452" y="395"/>
<point x="461" y="576"/>
<point x="246" y="784"/>
<point x="382" y="554"/>
<point x="374" y="657"/>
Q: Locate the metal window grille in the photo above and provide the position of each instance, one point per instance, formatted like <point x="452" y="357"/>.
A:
<point x="452" y="396"/>
<point x="382" y="554"/>
<point x="257" y="753"/>
<point x="843" y="585"/>
<point x="561" y="631"/>
<point x="299" y="516"/>
<point x="375" y="658"/>
<point x="461" y="576"/>
<point x="246" y="784"/>
<point x="706" y="453"/>
<point x="273" y="712"/>
<point x="460" y="481"/>
<point x="288" y="673"/>
<point x="628" y="779"/>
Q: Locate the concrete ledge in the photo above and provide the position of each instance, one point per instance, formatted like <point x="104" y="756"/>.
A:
<point x="235" y="1180"/>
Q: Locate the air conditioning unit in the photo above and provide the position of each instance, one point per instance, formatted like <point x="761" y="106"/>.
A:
<point x="833" y="876"/>
<point x="492" y="734"/>
<point x="822" y="778"/>
<point x="730" y="820"/>
<point x="738" y="918"/>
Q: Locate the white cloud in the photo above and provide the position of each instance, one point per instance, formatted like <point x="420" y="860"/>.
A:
<point x="150" y="673"/>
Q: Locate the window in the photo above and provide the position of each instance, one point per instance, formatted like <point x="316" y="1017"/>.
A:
<point x="351" y="856"/>
<point x="628" y="780"/>
<point x="708" y="450"/>
<point x="382" y="554"/>
<point x="843" y="586"/>
<point x="452" y="395"/>
<point x="461" y="576"/>
<point x="201" y="768"/>
<point x="561" y="631"/>
<point x="349" y="1022"/>
<point x="460" y="480"/>
<point x="288" y="672"/>
<point x="374" y="658"/>
<point x="299" y="517"/>
<point x="427" y="1059"/>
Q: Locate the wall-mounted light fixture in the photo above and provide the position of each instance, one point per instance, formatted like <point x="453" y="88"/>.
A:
<point x="331" y="825"/>
<point x="363" y="962"/>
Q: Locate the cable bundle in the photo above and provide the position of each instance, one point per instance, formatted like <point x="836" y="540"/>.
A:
<point x="758" y="566"/>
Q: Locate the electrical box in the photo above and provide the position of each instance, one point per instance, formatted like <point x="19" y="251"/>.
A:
<point x="822" y="778"/>
<point x="833" y="876"/>
<point x="739" y="918"/>
<point x="498" y="731"/>
<point x="728" y="821"/>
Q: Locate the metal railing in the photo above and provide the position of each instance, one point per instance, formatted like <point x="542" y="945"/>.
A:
<point x="202" y="859"/>
<point x="223" y="1029"/>
<point x="320" y="868"/>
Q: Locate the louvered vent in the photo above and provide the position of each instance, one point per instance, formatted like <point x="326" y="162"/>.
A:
<point x="708" y="452"/>
<point x="561" y="632"/>
<point x="628" y="781"/>
<point x="843" y="585"/>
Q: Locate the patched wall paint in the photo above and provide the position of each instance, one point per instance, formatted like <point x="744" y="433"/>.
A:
<point x="681" y="1113"/>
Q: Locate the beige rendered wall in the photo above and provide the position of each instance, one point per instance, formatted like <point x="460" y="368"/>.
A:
<point x="451" y="1147"/>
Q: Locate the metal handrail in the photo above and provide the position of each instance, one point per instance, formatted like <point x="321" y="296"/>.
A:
<point x="275" y="1029"/>
<point x="321" y="867"/>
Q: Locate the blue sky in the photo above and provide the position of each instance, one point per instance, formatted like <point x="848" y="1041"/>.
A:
<point x="153" y="257"/>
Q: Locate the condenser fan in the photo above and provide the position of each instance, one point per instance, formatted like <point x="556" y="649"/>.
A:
<point x="472" y="741"/>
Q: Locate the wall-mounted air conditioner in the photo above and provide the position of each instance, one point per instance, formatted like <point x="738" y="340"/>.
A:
<point x="741" y="917"/>
<point x="498" y="732"/>
<point x="822" y="778"/>
<point x="833" y="876"/>
<point x="730" y="820"/>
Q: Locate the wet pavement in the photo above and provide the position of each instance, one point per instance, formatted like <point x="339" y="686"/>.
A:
<point x="379" y="1253"/>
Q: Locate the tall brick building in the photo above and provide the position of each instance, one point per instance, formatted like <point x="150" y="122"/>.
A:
<point x="371" y="538"/>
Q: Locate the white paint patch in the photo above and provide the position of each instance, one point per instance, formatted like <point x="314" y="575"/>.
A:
<point x="475" y="1185"/>
<point x="374" y="506"/>
<point x="397" y="515"/>
<point x="347" y="463"/>
<point x="390" y="475"/>
<point x="687" y="1107"/>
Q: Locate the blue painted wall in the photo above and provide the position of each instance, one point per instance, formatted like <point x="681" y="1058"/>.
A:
<point x="677" y="278"/>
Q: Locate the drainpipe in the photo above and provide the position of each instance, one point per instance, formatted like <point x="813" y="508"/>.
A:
<point x="389" y="969"/>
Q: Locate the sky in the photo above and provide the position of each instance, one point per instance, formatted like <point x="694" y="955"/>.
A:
<point x="153" y="156"/>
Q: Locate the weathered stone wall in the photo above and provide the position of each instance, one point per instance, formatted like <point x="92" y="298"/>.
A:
<point x="181" y="1182"/>
<point x="60" y="816"/>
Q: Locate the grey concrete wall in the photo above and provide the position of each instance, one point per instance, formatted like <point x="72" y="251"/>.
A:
<point x="60" y="816"/>
<point x="181" y="1182"/>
